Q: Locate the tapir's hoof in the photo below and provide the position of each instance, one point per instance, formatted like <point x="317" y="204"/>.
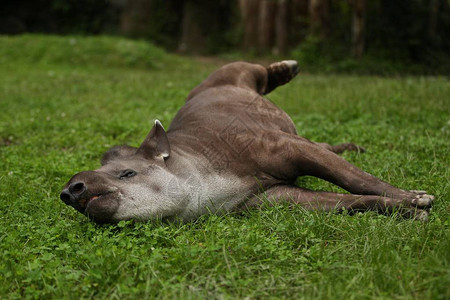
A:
<point x="415" y="214"/>
<point x="283" y="70"/>
<point x="420" y="192"/>
<point x="421" y="215"/>
<point x="293" y="67"/>
<point x="280" y="73"/>
<point x="422" y="199"/>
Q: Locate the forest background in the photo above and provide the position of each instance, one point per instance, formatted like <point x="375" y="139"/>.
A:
<point x="376" y="37"/>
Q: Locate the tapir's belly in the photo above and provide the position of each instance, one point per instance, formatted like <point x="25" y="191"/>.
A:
<point x="216" y="110"/>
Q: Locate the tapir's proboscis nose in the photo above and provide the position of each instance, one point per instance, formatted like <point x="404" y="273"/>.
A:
<point x="91" y="194"/>
<point x="73" y="192"/>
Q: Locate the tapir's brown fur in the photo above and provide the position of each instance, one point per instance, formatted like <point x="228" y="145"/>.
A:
<point x="228" y="148"/>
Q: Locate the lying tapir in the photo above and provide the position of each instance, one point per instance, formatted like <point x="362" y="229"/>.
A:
<point x="227" y="149"/>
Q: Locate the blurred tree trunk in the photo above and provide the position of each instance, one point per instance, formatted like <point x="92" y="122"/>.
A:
<point x="298" y="26"/>
<point x="319" y="18"/>
<point x="281" y="28"/>
<point x="267" y="12"/>
<point x="265" y="25"/>
<point x="358" y="23"/>
<point x="134" y="20"/>
<point x="192" y="39"/>
<point x="249" y="14"/>
<point x="432" y="22"/>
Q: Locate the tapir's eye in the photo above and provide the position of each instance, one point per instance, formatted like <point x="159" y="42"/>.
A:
<point x="127" y="173"/>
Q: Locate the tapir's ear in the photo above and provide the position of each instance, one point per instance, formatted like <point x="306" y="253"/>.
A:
<point x="156" y="144"/>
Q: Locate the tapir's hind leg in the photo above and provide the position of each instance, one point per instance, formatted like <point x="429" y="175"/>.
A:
<point x="288" y="156"/>
<point x="250" y="76"/>
<point x="313" y="200"/>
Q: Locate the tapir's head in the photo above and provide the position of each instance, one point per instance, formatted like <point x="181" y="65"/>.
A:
<point x="132" y="183"/>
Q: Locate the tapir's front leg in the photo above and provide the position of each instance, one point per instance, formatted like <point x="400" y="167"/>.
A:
<point x="289" y="156"/>
<point x="249" y="76"/>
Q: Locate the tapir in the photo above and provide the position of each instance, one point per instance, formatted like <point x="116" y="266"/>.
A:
<point x="229" y="149"/>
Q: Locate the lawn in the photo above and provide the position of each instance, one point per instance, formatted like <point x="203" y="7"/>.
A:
<point x="65" y="100"/>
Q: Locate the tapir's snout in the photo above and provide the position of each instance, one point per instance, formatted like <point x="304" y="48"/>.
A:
<point x="89" y="193"/>
<point x="72" y="193"/>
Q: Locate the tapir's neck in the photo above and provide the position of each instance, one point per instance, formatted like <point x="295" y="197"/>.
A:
<point x="206" y="189"/>
<point x="182" y="162"/>
<point x="185" y="156"/>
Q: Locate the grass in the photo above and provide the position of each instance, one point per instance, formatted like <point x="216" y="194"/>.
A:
<point x="63" y="103"/>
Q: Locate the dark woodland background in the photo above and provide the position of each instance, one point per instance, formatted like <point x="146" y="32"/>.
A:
<point x="411" y="35"/>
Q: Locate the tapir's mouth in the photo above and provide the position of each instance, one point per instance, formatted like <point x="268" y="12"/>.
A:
<point x="85" y="203"/>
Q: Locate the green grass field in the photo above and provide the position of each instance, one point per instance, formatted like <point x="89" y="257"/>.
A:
<point x="65" y="100"/>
